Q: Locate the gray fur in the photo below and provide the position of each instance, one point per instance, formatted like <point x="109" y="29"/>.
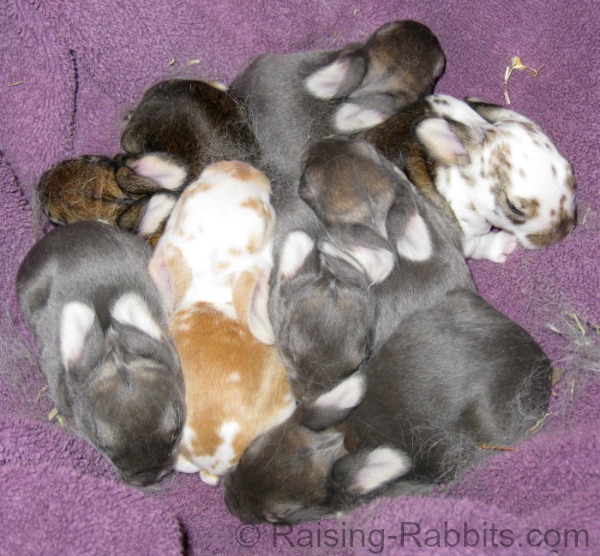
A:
<point x="124" y="391"/>
<point x="453" y="377"/>
<point x="415" y="285"/>
<point x="398" y="64"/>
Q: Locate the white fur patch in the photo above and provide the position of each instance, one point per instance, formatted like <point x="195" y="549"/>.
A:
<point x="353" y="117"/>
<point x="325" y="83"/>
<point x="131" y="309"/>
<point x="297" y="246"/>
<point x="76" y="322"/>
<point x="345" y="395"/>
<point x="218" y="85"/>
<point x="376" y="263"/>
<point x="157" y="211"/>
<point x="384" y="464"/>
<point x="211" y="466"/>
<point x="234" y="377"/>
<point x="415" y="244"/>
<point x="163" y="171"/>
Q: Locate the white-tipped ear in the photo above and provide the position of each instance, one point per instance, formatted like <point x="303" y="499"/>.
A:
<point x="259" y="322"/>
<point x="351" y="117"/>
<point x="76" y="322"/>
<point x="441" y="141"/>
<point x="375" y="263"/>
<point x="326" y="82"/>
<point x="162" y="169"/>
<point x="345" y="395"/>
<point x="132" y="310"/>
<point x="415" y="243"/>
<point x="381" y="466"/>
<point x="158" y="209"/>
<point x="296" y="248"/>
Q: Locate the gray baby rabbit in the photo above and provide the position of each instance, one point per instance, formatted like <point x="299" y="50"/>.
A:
<point x="453" y="378"/>
<point x="296" y="98"/>
<point x="353" y="187"/>
<point x="86" y="294"/>
<point x="319" y="306"/>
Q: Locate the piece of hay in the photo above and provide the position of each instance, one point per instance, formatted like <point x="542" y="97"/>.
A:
<point x="516" y="64"/>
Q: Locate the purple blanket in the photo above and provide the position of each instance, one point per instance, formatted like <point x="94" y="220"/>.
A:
<point x="71" y="70"/>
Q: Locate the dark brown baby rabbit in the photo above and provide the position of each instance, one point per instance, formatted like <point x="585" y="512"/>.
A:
<point x="197" y="122"/>
<point x="187" y="123"/>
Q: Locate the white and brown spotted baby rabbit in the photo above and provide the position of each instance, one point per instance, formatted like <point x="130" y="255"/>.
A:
<point x="86" y="294"/>
<point x="212" y="265"/>
<point x="453" y="377"/>
<point x="488" y="167"/>
<point x="294" y="99"/>
<point x="185" y="122"/>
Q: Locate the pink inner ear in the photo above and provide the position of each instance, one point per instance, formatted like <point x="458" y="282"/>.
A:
<point x="258" y="313"/>
<point x="325" y="83"/>
<point x="353" y="117"/>
<point x="441" y="142"/>
<point x="159" y="272"/>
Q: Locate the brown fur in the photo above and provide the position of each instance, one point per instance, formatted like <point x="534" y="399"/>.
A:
<point x="212" y="347"/>
<point x="83" y="189"/>
<point x="395" y="139"/>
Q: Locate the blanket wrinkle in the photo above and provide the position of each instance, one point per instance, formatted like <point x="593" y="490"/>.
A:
<point x="70" y="72"/>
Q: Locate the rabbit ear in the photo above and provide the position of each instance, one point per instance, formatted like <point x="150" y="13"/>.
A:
<point x="132" y="310"/>
<point x="251" y="302"/>
<point x="363" y="112"/>
<point x="494" y="113"/>
<point x="338" y="79"/>
<point x="172" y="276"/>
<point x="415" y="242"/>
<point x="157" y="210"/>
<point x="80" y="335"/>
<point x="168" y="171"/>
<point x="333" y="406"/>
<point x="365" y="472"/>
<point x="444" y="140"/>
<point x="375" y="263"/>
<point x="296" y="249"/>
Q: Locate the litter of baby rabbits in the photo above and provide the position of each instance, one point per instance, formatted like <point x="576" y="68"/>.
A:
<point x="297" y="300"/>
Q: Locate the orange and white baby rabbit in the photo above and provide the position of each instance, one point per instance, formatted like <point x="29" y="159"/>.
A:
<point x="212" y="266"/>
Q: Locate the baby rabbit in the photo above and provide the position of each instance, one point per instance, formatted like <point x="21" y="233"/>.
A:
<point x="95" y="188"/>
<point x="188" y="123"/>
<point x="212" y="266"/>
<point x="293" y="99"/>
<point x="320" y="306"/>
<point x="85" y="292"/>
<point x="348" y="183"/>
<point x="452" y="378"/>
<point x="487" y="167"/>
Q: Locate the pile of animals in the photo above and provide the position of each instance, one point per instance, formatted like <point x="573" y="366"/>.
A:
<point x="269" y="284"/>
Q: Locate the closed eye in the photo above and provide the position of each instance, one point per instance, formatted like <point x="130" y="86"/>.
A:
<point x="514" y="210"/>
